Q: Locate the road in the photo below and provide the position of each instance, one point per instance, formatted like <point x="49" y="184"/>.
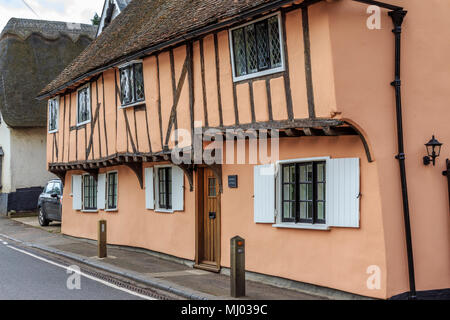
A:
<point x="26" y="275"/>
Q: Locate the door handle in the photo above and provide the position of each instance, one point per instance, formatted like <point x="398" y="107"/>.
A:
<point x="212" y="215"/>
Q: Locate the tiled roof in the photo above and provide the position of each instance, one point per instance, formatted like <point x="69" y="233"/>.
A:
<point x="147" y="23"/>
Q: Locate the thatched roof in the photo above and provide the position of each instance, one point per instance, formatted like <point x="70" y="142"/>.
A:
<point x="146" y="24"/>
<point x="32" y="53"/>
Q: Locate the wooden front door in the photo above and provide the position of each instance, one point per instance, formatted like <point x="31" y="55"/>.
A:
<point x="208" y="249"/>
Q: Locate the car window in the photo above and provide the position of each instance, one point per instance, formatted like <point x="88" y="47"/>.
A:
<point x="49" y="188"/>
<point x="57" y="188"/>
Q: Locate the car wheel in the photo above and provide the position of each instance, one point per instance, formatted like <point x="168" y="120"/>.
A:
<point x="43" y="221"/>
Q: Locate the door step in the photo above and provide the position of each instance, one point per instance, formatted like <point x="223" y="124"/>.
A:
<point x="208" y="267"/>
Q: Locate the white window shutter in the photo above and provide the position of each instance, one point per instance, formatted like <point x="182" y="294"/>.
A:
<point x="177" y="189"/>
<point x="101" y="191"/>
<point x="76" y="191"/>
<point x="342" y="193"/>
<point x="149" y="194"/>
<point x="264" y="194"/>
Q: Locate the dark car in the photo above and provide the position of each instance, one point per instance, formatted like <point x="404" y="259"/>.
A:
<point x="50" y="203"/>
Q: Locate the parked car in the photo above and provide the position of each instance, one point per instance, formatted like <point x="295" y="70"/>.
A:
<point x="50" y="203"/>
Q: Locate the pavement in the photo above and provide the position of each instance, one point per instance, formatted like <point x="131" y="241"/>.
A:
<point x="139" y="265"/>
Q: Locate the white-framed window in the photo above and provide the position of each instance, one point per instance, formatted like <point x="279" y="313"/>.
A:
<point x="89" y="193"/>
<point x="53" y="115"/>
<point x="257" y="48"/>
<point x="314" y="193"/>
<point x="164" y="188"/>
<point x="112" y="183"/>
<point x="83" y="105"/>
<point x="132" y="84"/>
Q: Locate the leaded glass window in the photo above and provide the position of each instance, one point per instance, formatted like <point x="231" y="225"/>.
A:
<point x="257" y="47"/>
<point x="53" y="115"/>
<point x="84" y="105"/>
<point x="89" y="193"/>
<point x="132" y="84"/>
<point x="112" y="190"/>
<point x="303" y="192"/>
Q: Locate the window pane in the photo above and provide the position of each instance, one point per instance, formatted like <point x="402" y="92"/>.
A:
<point x="303" y="192"/>
<point x="239" y="52"/>
<point x="289" y="192"/>
<point x="320" y="172"/>
<point x="212" y="187"/>
<point x="306" y="172"/>
<point x="310" y="210"/>
<point x="83" y="105"/>
<point x="286" y="174"/>
<point x="321" y="210"/>
<point x="320" y="191"/>
<point x="289" y="174"/>
<point x="139" y="82"/>
<point x="274" y="41"/>
<point x="262" y="41"/>
<point x="53" y="114"/>
<point x="251" y="51"/>
<point x="303" y="210"/>
<point x="289" y="210"/>
<point x="125" y="85"/>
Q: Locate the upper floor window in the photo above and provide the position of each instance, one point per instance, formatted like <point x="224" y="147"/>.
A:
<point x="53" y="115"/>
<point x="83" y="105"/>
<point x="132" y="84"/>
<point x="257" y="48"/>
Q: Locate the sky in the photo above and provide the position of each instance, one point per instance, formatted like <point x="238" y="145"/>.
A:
<point x="79" y="11"/>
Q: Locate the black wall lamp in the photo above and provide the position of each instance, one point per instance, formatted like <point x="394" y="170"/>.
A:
<point x="433" y="150"/>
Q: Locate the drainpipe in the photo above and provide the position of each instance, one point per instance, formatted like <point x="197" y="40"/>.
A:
<point x="397" y="17"/>
<point x="398" y="14"/>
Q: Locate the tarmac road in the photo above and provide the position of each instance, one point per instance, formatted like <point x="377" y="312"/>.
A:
<point x="27" y="276"/>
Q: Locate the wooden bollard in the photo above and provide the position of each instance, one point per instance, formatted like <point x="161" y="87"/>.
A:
<point x="237" y="267"/>
<point x="102" y="240"/>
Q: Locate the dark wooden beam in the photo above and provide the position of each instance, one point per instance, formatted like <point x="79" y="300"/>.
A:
<point x="294" y="133"/>
<point x="173" y="113"/>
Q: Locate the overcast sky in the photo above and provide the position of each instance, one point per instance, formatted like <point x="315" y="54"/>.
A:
<point x="80" y="11"/>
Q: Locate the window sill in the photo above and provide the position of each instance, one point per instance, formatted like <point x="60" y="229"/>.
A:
<point x="164" y="211"/>
<point x="237" y="79"/>
<point x="112" y="210"/>
<point x="89" y="211"/>
<point x="83" y="123"/>
<point x="136" y="104"/>
<point x="304" y="226"/>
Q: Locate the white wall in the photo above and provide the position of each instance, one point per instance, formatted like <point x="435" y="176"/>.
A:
<point x="28" y="158"/>
<point x="5" y="143"/>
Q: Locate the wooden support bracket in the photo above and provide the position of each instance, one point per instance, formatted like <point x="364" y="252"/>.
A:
<point x="138" y="170"/>
<point x="189" y="171"/>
